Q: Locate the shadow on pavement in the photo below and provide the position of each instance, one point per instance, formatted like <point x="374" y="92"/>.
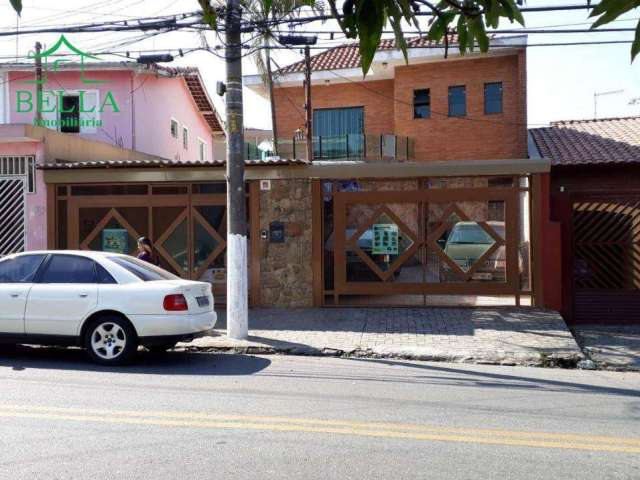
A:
<point x="474" y="377"/>
<point x="23" y="357"/>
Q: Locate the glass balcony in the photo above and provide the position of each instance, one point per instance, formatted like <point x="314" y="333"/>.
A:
<point x="362" y="147"/>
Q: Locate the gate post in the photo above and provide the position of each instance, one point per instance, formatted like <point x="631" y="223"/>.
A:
<point x="537" y="200"/>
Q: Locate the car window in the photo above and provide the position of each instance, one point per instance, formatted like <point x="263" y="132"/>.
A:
<point x="143" y="270"/>
<point x="104" y="277"/>
<point x="471" y="234"/>
<point x="69" y="269"/>
<point x="20" y="269"/>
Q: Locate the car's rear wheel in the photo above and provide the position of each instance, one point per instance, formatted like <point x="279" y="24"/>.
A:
<point x="111" y="340"/>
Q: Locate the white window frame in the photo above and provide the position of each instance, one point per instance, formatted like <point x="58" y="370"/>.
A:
<point x="185" y="141"/>
<point x="171" y="122"/>
<point x="202" y="150"/>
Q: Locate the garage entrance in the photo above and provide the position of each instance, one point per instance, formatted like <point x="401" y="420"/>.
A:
<point x="435" y="241"/>
<point x="186" y="223"/>
<point x="606" y="258"/>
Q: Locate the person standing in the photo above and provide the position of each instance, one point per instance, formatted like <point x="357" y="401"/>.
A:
<point x="146" y="251"/>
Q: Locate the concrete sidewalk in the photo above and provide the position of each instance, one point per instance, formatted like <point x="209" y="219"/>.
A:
<point x="611" y="347"/>
<point x="482" y="335"/>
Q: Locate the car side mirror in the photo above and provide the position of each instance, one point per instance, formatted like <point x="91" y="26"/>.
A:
<point x="442" y="242"/>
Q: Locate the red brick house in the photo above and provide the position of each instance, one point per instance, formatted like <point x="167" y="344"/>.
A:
<point x="420" y="184"/>
<point x="592" y="223"/>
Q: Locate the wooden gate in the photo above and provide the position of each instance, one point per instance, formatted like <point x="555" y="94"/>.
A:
<point x="606" y="259"/>
<point x="416" y="244"/>
<point x="188" y="228"/>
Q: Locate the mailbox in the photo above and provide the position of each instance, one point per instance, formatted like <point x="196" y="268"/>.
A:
<point x="276" y="232"/>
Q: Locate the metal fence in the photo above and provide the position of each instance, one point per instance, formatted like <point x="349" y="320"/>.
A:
<point x="347" y="147"/>
<point x="12" y="214"/>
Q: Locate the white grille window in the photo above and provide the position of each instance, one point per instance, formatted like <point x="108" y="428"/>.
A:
<point x="20" y="166"/>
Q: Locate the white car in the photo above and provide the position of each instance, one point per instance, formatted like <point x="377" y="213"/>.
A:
<point x="106" y="302"/>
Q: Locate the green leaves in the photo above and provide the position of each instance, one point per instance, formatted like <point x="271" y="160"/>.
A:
<point x="17" y="6"/>
<point x="635" y="47"/>
<point x="366" y="19"/>
<point x="209" y="15"/>
<point x="371" y="18"/>
<point x="610" y="10"/>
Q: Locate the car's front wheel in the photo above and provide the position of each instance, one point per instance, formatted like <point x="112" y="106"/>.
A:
<point x="111" y="340"/>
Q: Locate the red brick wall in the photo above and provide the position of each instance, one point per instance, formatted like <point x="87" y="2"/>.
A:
<point x="376" y="99"/>
<point x="476" y="136"/>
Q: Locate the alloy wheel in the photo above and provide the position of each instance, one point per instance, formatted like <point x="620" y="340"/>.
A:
<point x="108" y="340"/>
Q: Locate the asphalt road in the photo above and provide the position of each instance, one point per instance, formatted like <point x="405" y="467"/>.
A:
<point x="194" y="415"/>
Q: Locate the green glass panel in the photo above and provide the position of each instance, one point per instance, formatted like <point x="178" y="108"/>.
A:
<point x="204" y="245"/>
<point x="176" y="245"/>
<point x="108" y="239"/>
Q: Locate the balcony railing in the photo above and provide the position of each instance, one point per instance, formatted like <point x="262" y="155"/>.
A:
<point x="344" y="147"/>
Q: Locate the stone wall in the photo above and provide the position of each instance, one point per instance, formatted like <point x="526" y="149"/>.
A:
<point x="285" y="268"/>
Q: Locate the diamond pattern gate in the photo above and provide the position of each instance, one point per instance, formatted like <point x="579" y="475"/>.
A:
<point x="186" y="223"/>
<point x="12" y="215"/>
<point x="606" y="259"/>
<point x="425" y="246"/>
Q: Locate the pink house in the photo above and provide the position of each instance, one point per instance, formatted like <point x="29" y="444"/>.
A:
<point x="94" y="112"/>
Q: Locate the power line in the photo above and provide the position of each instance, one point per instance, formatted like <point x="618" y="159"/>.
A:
<point x="505" y="31"/>
<point x="323" y="17"/>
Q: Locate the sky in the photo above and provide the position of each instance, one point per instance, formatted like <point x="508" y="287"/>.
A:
<point x="562" y="80"/>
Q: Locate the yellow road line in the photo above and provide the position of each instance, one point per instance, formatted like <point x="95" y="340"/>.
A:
<point x="313" y="422"/>
<point x="320" y="429"/>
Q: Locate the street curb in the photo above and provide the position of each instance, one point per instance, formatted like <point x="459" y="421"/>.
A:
<point x="542" y="360"/>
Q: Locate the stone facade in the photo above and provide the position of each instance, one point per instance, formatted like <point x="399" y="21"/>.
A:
<point x="286" y="274"/>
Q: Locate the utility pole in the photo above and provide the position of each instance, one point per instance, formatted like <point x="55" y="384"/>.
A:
<point x="305" y="40"/>
<point x="274" y="126"/>
<point x="307" y="102"/>
<point x="38" y="60"/>
<point x="237" y="285"/>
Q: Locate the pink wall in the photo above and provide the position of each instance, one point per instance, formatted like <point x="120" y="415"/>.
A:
<point x="36" y="212"/>
<point x="146" y="103"/>
<point x="157" y="100"/>
<point x="116" y="126"/>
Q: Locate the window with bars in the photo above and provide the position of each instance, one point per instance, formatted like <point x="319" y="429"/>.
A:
<point x="20" y="166"/>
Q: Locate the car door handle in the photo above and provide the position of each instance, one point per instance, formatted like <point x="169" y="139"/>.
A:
<point x="15" y="295"/>
<point x="84" y="295"/>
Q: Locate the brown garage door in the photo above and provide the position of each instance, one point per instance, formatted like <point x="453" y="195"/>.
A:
<point x="606" y="259"/>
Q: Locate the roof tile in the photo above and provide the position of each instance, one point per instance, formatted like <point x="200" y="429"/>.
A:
<point x="590" y="142"/>
<point x="348" y="56"/>
<point x="61" y="165"/>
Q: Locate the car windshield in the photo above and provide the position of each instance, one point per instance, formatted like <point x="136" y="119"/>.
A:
<point x="470" y="234"/>
<point x="143" y="270"/>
